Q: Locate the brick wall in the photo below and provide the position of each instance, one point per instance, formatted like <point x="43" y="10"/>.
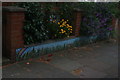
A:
<point x="77" y="22"/>
<point x="13" y="20"/>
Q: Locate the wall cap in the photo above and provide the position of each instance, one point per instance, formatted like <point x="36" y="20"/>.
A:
<point x="13" y="9"/>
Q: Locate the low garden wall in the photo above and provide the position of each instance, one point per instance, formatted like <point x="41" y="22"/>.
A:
<point x="21" y="29"/>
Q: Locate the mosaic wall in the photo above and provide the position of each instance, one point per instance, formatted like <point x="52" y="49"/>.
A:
<point x="34" y="51"/>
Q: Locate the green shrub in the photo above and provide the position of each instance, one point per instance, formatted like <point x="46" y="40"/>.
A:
<point x="34" y="29"/>
<point x="38" y="28"/>
<point x="97" y="19"/>
<point x="59" y="29"/>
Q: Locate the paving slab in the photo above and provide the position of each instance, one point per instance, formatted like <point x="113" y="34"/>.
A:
<point x="91" y="73"/>
<point x="64" y="63"/>
<point x="108" y="60"/>
<point x="99" y="66"/>
<point x="12" y="71"/>
<point x="35" y="70"/>
<point x="113" y="70"/>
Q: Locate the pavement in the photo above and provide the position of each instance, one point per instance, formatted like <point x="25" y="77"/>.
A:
<point x="99" y="60"/>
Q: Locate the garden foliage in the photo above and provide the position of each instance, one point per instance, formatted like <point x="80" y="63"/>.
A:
<point x="97" y="19"/>
<point x="42" y="22"/>
<point x="34" y="28"/>
<point x="59" y="29"/>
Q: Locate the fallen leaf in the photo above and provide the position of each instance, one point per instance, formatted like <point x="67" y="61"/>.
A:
<point x="40" y="60"/>
<point x="50" y="55"/>
<point x="77" y="71"/>
<point x="27" y="63"/>
<point x="48" y="60"/>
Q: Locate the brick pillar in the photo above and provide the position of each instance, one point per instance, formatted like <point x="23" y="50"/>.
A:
<point x="115" y="25"/>
<point x="77" y="22"/>
<point x="13" y="18"/>
<point x="114" y="22"/>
